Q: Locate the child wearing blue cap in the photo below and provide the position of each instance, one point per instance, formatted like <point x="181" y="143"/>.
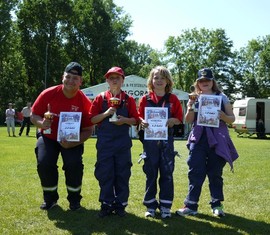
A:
<point x="209" y="148"/>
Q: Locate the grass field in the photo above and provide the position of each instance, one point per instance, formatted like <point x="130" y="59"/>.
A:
<point x="247" y="195"/>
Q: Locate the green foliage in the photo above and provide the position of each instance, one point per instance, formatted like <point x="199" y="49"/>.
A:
<point x="195" y="49"/>
<point x="38" y="39"/>
<point x="138" y="59"/>
<point x="40" y="27"/>
<point x="255" y="68"/>
<point x="246" y="195"/>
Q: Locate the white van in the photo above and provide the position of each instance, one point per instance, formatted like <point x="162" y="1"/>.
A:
<point x="252" y="116"/>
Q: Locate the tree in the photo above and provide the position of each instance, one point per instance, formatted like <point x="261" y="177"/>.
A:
<point x="9" y="70"/>
<point x="195" y="49"/>
<point x="255" y="68"/>
<point x="56" y="32"/>
<point x="138" y="58"/>
<point x="94" y="34"/>
<point x="264" y="68"/>
<point x="40" y="25"/>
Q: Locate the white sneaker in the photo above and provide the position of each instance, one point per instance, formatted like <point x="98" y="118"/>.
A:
<point x="165" y="212"/>
<point x="218" y="211"/>
<point x="186" y="211"/>
<point x="150" y="213"/>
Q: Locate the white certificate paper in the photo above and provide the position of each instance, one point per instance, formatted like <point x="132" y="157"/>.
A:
<point x="69" y="126"/>
<point x="157" y="119"/>
<point x="208" y="114"/>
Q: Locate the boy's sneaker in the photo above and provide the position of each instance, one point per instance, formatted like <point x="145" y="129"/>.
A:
<point x="74" y="206"/>
<point x="150" y="213"/>
<point x="120" y="212"/>
<point x="218" y="211"/>
<point x="48" y="205"/>
<point x="165" y="212"/>
<point x="104" y="212"/>
<point x="186" y="211"/>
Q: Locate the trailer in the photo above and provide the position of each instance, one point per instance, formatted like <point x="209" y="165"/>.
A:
<point x="252" y="116"/>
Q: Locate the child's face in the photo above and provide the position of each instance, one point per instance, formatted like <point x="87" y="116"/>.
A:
<point x="159" y="82"/>
<point x="115" y="80"/>
<point x="205" y="85"/>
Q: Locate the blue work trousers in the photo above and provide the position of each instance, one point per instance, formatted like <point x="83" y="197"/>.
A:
<point x="113" y="170"/>
<point x="159" y="161"/>
<point x="202" y="162"/>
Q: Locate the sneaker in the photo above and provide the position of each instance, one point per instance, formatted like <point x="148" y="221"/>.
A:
<point x="165" y="214"/>
<point x="186" y="211"/>
<point x="74" y="206"/>
<point x="48" y="205"/>
<point x="150" y="213"/>
<point x="104" y="212"/>
<point x="120" y="212"/>
<point x="218" y="211"/>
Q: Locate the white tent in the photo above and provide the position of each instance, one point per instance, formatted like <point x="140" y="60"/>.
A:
<point x="133" y="85"/>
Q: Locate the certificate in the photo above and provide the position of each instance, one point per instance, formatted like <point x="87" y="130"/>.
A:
<point x="69" y="126"/>
<point x="157" y="119"/>
<point x="208" y="114"/>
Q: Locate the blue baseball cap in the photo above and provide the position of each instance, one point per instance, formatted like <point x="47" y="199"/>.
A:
<point x="205" y="73"/>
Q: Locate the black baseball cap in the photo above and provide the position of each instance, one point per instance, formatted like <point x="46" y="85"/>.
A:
<point x="74" y="68"/>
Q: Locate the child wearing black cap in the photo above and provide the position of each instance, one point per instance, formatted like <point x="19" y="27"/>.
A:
<point x="66" y="97"/>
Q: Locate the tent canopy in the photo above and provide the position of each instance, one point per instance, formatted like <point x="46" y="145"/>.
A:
<point x="133" y="85"/>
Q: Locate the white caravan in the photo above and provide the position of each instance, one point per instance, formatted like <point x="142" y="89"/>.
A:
<point x="252" y="116"/>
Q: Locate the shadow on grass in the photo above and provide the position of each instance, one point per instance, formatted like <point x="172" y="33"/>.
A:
<point x="86" y="221"/>
<point x="238" y="225"/>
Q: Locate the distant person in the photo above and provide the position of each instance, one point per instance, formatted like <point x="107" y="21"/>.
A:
<point x="26" y="111"/>
<point x="209" y="148"/>
<point x="113" y="166"/>
<point x="160" y="155"/>
<point x="260" y="129"/>
<point x="10" y="119"/>
<point x="66" y="97"/>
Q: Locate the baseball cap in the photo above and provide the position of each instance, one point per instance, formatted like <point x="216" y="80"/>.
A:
<point x="74" y="66"/>
<point x="205" y="73"/>
<point x="116" y="70"/>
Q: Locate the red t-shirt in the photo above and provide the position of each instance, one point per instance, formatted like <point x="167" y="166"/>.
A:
<point x="60" y="103"/>
<point x="98" y="102"/>
<point x="175" y="105"/>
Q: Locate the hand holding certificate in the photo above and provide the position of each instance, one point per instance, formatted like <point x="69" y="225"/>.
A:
<point x="208" y="113"/>
<point x="69" y="126"/>
<point x="157" y="119"/>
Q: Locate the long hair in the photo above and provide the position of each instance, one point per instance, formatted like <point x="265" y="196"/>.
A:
<point x="164" y="72"/>
<point x="215" y="87"/>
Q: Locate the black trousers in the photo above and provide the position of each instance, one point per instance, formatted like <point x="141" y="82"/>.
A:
<point x="47" y="153"/>
<point x="26" y="122"/>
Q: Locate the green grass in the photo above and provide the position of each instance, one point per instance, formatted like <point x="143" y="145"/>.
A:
<point x="247" y="195"/>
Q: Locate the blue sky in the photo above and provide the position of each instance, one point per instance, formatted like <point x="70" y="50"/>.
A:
<point x="155" y="20"/>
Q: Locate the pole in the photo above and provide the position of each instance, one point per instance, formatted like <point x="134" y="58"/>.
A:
<point x="46" y="65"/>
